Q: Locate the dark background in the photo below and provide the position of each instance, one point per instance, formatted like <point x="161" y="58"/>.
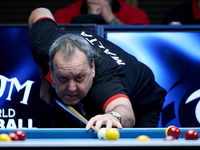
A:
<point x="18" y="11"/>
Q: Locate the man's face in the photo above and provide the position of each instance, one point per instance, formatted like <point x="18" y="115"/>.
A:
<point x="72" y="77"/>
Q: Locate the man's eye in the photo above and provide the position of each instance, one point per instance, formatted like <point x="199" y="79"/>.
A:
<point x="79" y="78"/>
<point x="62" y="78"/>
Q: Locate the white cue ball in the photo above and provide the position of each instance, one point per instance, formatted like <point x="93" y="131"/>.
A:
<point x="102" y="133"/>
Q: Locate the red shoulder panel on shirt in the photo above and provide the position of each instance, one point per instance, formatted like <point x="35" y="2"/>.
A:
<point x="48" y="77"/>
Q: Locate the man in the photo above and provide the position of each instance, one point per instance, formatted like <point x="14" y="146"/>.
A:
<point x="113" y="12"/>
<point x="109" y="86"/>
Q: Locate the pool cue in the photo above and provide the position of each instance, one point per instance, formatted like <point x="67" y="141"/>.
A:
<point x="76" y="114"/>
<point x="80" y="116"/>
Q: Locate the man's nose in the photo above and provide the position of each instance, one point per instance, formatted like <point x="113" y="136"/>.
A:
<point x="72" y="86"/>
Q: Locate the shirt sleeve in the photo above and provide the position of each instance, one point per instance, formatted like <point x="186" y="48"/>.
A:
<point x="112" y="99"/>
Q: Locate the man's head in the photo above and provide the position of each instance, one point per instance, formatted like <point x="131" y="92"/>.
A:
<point x="72" y="67"/>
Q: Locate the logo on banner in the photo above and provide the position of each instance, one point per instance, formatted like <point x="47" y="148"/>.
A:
<point x="7" y="87"/>
<point x="15" y="83"/>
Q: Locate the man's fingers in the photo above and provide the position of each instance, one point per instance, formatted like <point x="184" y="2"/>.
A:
<point x="90" y="123"/>
<point x="108" y="120"/>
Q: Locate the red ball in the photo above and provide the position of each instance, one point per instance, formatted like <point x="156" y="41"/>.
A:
<point x="174" y="131"/>
<point x="191" y="135"/>
<point x="169" y="138"/>
<point x="13" y="136"/>
<point x="21" y="135"/>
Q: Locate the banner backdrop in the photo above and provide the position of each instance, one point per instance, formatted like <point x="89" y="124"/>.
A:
<point x="174" y="57"/>
<point x="20" y="105"/>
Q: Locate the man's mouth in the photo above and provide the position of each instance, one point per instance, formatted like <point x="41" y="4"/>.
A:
<point x="71" y="95"/>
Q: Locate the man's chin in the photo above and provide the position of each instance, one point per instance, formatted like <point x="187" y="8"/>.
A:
<point x="71" y="102"/>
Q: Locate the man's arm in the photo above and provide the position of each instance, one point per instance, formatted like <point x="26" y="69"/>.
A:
<point x="45" y="89"/>
<point x="116" y="21"/>
<point x="120" y="105"/>
<point x="39" y="13"/>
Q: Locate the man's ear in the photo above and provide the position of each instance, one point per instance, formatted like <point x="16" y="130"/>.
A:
<point x="93" y="68"/>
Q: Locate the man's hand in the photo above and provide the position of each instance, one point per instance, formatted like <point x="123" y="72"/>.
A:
<point x="105" y="119"/>
<point x="120" y="105"/>
<point x="94" y="9"/>
<point x="104" y="9"/>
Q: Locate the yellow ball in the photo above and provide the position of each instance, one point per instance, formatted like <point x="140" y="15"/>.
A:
<point x="112" y="134"/>
<point x="166" y="131"/>
<point x="142" y="138"/>
<point x="5" y="137"/>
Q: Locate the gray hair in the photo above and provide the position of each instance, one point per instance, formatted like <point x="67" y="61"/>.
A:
<point x="67" y="44"/>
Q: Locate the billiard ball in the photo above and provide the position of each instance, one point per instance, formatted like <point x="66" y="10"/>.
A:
<point x="21" y="134"/>
<point x="169" y="138"/>
<point x="102" y="133"/>
<point x="167" y="130"/>
<point x="13" y="136"/>
<point x="142" y="138"/>
<point x="174" y="131"/>
<point x="112" y="134"/>
<point x="191" y="135"/>
<point x="5" y="137"/>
